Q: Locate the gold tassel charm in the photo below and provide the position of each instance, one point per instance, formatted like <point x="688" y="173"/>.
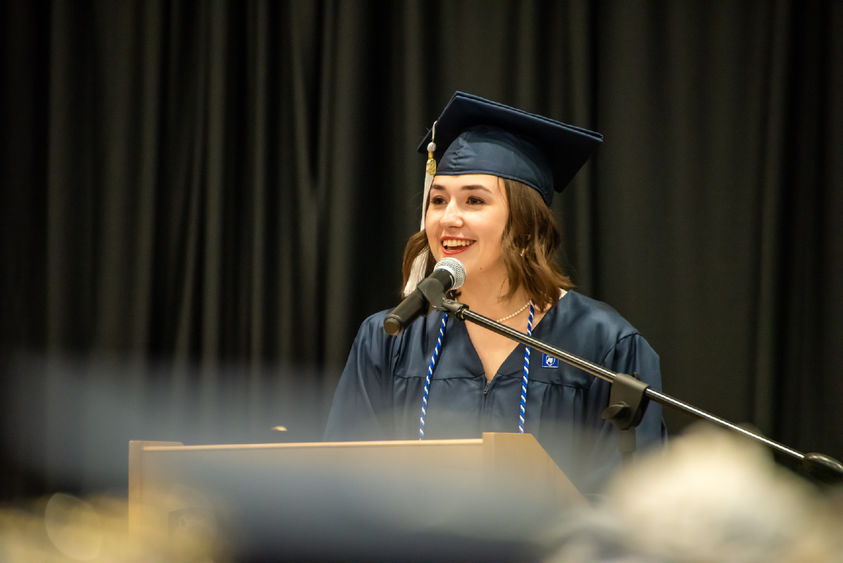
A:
<point x="431" y="162"/>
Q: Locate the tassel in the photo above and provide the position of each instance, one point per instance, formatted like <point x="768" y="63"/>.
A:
<point x="418" y="270"/>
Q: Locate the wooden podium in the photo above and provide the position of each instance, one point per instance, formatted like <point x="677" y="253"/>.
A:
<point x="325" y="500"/>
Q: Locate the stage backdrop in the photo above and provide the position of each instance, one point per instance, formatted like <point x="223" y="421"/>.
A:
<point x="202" y="200"/>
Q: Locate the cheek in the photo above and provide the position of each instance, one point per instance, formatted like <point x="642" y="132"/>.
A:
<point x="432" y="239"/>
<point x="496" y="229"/>
<point x="429" y="218"/>
<point x="429" y="226"/>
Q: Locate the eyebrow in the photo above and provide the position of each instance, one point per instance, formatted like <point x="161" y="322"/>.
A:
<point x="463" y="188"/>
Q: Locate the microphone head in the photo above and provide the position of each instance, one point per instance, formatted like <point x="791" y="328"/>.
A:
<point x="453" y="267"/>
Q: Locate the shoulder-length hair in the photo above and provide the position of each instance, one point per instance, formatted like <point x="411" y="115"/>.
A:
<point x="530" y="244"/>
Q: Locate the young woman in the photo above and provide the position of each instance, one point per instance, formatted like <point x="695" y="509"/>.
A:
<point x="487" y="204"/>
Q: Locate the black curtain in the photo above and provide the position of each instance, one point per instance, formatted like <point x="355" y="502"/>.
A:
<point x="202" y="200"/>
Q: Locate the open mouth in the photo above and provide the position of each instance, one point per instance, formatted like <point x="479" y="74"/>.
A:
<point x="455" y="246"/>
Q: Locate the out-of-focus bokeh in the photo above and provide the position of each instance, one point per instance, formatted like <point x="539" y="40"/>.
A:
<point x="708" y="496"/>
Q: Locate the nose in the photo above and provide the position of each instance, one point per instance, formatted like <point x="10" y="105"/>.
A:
<point x="451" y="215"/>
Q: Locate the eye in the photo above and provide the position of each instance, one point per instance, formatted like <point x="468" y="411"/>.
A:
<point x="474" y="200"/>
<point x="437" y="200"/>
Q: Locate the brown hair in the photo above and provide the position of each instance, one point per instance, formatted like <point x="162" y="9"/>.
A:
<point x="530" y="243"/>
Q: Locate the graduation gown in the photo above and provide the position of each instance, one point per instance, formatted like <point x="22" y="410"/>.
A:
<point x="380" y="391"/>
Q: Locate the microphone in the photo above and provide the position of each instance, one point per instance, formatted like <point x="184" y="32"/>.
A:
<point x="449" y="273"/>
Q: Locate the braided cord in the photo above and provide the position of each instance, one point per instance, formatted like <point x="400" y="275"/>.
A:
<point x="523" y="406"/>
<point x="430" y="367"/>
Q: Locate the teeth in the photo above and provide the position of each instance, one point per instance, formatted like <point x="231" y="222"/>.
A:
<point x="455" y="243"/>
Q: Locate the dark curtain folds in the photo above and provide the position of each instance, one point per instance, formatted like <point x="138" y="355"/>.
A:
<point x="202" y="200"/>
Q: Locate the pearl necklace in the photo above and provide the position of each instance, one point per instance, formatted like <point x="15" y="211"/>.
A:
<point x="515" y="314"/>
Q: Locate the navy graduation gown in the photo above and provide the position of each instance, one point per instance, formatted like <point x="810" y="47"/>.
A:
<point x="380" y="392"/>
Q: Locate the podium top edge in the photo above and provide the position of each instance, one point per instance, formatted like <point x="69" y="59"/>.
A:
<point x="287" y="445"/>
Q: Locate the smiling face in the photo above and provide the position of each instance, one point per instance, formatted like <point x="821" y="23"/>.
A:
<point x="466" y="217"/>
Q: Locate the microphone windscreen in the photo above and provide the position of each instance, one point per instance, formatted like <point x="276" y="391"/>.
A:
<point x="453" y="267"/>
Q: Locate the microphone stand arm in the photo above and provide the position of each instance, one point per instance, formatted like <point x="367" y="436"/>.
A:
<point x="628" y="402"/>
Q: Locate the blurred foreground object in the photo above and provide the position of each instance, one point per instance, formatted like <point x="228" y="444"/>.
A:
<point x="64" y="528"/>
<point x="493" y="497"/>
<point x="709" y="496"/>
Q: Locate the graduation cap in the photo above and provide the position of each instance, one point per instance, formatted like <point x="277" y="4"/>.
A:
<point x="474" y="135"/>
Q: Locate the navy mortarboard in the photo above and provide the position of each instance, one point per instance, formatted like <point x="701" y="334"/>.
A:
<point x="474" y="135"/>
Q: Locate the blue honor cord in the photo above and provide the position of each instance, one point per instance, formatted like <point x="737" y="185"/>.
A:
<point x="431" y="366"/>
